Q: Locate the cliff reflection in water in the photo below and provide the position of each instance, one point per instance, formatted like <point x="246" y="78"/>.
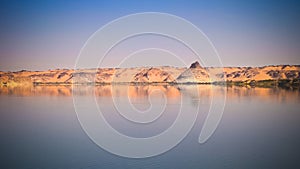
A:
<point x="143" y="91"/>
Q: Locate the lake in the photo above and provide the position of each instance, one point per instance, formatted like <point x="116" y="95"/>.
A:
<point x="259" y="127"/>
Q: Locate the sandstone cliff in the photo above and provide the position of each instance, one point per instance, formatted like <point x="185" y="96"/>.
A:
<point x="165" y="74"/>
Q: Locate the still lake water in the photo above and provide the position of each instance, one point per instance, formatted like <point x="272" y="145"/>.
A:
<point x="259" y="128"/>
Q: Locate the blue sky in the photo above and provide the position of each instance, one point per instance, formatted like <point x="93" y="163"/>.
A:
<point x="38" y="35"/>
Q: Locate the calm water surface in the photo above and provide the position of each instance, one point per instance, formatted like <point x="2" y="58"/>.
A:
<point x="259" y="129"/>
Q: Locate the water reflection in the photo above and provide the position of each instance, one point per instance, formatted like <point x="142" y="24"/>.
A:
<point x="257" y="122"/>
<point x="136" y="92"/>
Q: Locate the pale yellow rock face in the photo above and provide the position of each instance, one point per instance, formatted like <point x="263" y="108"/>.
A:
<point x="164" y="74"/>
<point x="262" y="73"/>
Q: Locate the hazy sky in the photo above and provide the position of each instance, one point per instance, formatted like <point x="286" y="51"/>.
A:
<point x="37" y="35"/>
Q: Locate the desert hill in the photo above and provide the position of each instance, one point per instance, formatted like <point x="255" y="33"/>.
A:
<point x="164" y="74"/>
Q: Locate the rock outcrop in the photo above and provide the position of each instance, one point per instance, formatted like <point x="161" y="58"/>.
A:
<point x="195" y="65"/>
<point x="165" y="74"/>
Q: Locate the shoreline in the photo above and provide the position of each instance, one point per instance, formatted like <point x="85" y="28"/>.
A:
<point x="294" y="83"/>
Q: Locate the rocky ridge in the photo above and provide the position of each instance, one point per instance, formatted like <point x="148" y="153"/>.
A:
<point x="165" y="74"/>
